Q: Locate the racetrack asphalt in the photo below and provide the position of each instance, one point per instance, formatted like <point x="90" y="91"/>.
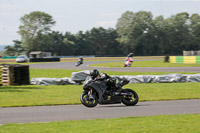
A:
<point x="85" y="66"/>
<point x="80" y="112"/>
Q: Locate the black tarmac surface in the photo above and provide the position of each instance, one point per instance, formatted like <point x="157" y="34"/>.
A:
<point x="80" y="112"/>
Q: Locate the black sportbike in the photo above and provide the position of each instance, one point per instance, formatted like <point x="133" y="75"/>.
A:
<point x="98" y="91"/>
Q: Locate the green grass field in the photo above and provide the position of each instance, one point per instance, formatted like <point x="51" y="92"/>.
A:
<point x="50" y="73"/>
<point x="151" y="124"/>
<point x="33" y="95"/>
<point x="148" y="63"/>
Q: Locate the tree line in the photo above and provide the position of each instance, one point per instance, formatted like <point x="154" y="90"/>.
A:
<point x="136" y="32"/>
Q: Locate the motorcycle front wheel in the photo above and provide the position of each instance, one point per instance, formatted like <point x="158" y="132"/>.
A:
<point x="87" y="101"/>
<point x="130" y="100"/>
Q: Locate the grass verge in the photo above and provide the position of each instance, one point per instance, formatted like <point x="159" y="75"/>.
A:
<point x="50" y="73"/>
<point x="188" y="123"/>
<point x="33" y="95"/>
<point x="60" y="73"/>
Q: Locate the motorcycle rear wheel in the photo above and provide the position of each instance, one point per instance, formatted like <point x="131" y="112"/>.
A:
<point x="86" y="101"/>
<point x="130" y="100"/>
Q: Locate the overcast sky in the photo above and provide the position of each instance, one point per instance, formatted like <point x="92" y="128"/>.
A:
<point x="76" y="15"/>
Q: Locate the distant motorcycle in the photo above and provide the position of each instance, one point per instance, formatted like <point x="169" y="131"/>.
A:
<point x="128" y="60"/>
<point x="79" y="62"/>
<point x="105" y="92"/>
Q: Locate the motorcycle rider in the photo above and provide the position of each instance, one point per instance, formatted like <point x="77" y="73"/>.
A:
<point x="106" y="78"/>
<point x="80" y="61"/>
<point x="128" y="60"/>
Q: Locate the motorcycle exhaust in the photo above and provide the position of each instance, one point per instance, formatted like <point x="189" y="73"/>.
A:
<point x="121" y="94"/>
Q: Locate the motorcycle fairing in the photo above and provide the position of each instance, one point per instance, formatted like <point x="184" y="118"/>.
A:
<point x="113" y="100"/>
<point x="100" y="87"/>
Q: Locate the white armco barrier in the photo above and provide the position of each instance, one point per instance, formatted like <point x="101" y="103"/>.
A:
<point x="78" y="77"/>
<point x="52" y="81"/>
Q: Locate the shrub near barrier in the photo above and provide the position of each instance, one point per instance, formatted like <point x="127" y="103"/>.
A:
<point x="184" y="59"/>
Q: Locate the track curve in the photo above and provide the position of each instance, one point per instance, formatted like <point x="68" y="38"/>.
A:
<point x="85" y="66"/>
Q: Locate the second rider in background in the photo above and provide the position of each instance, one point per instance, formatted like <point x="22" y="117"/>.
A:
<point x="128" y="60"/>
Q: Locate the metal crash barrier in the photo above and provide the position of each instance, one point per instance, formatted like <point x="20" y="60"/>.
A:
<point x="184" y="59"/>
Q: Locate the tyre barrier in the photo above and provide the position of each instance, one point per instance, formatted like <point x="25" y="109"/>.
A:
<point x="1" y="75"/>
<point x="14" y="74"/>
<point x="78" y="77"/>
<point x="44" y="60"/>
<point x="184" y="59"/>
